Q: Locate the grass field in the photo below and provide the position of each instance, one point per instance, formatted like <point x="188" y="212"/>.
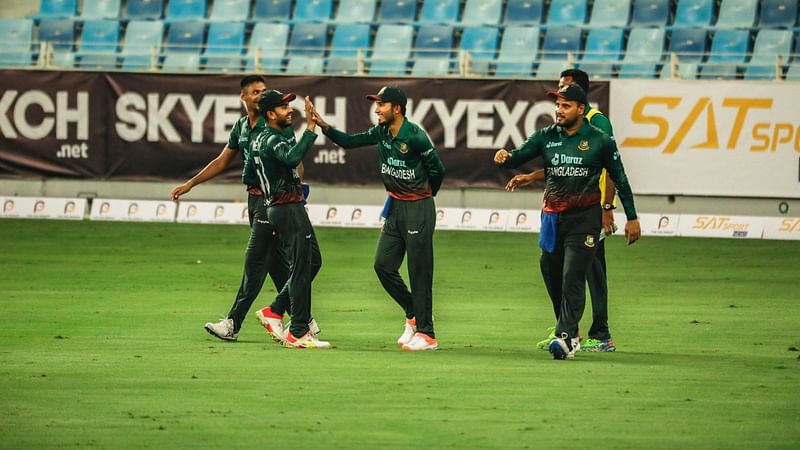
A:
<point x="103" y="346"/>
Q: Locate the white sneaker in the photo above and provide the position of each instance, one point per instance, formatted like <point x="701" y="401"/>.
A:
<point x="307" y="341"/>
<point x="273" y="323"/>
<point x="313" y="327"/>
<point x="408" y="332"/>
<point x="421" y="341"/>
<point x="222" y="330"/>
<point x="564" y="347"/>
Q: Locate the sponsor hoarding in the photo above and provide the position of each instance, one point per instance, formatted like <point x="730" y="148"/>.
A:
<point x="230" y="213"/>
<point x="733" y="139"/>
<point x="653" y="224"/>
<point x="721" y="226"/>
<point x="368" y="216"/>
<point x="524" y="220"/>
<point x="94" y="125"/>
<point x="132" y="210"/>
<point x="784" y="228"/>
<point x="43" y="208"/>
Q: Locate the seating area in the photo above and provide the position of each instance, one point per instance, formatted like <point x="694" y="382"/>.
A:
<point x="705" y="39"/>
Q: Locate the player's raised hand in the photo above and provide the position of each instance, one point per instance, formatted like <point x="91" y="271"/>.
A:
<point x="180" y="190"/>
<point x="518" y="181"/>
<point x="633" y="231"/>
<point x="319" y="120"/>
<point x="311" y="124"/>
<point x="501" y="156"/>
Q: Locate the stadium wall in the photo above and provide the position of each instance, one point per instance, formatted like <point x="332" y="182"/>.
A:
<point x="375" y="195"/>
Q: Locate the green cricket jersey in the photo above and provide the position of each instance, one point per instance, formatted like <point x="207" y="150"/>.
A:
<point x="239" y="139"/>
<point x="410" y="166"/>
<point x="275" y="159"/>
<point x="598" y="119"/>
<point x="573" y="165"/>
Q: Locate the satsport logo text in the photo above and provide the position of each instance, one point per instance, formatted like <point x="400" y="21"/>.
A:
<point x="719" y="223"/>
<point x="761" y="136"/>
<point x="790" y="225"/>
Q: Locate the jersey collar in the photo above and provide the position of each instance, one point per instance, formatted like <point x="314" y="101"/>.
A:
<point x="404" y="130"/>
<point x="583" y="130"/>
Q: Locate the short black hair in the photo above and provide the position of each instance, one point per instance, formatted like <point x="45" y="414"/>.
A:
<point x="250" y="79"/>
<point x="579" y="77"/>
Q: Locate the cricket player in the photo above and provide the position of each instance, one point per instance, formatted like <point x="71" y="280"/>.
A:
<point x="574" y="154"/>
<point x="599" y="339"/>
<point x="261" y="256"/>
<point x="412" y="174"/>
<point x="276" y="160"/>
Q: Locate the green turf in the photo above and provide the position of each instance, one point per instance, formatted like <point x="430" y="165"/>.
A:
<point x="102" y="346"/>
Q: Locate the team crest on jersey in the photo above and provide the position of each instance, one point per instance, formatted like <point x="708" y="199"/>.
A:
<point x="403" y="148"/>
<point x="589" y="242"/>
<point x="584" y="145"/>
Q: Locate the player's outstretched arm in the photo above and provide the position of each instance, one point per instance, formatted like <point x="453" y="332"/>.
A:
<point x="211" y="170"/>
<point x="524" y="179"/>
<point x="343" y="139"/>
<point x="531" y="148"/>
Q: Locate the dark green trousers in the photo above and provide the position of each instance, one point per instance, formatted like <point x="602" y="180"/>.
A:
<point x="263" y="257"/>
<point x="282" y="304"/>
<point x="295" y="237"/>
<point x="564" y="270"/>
<point x="409" y="231"/>
<point x="598" y="290"/>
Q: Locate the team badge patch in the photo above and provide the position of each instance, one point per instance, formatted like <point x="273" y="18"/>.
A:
<point x="403" y="148"/>
<point x="584" y="145"/>
<point x="589" y="242"/>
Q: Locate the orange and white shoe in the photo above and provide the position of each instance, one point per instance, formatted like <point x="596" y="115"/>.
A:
<point x="273" y="324"/>
<point x="307" y="341"/>
<point x="408" y="332"/>
<point x="421" y="341"/>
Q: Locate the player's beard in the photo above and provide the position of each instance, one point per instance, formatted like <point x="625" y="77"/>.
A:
<point x="284" y="121"/>
<point x="567" y="122"/>
<point x="387" y="119"/>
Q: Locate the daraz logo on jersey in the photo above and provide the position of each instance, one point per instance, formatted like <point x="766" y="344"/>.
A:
<point x="396" y="162"/>
<point x="560" y="158"/>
